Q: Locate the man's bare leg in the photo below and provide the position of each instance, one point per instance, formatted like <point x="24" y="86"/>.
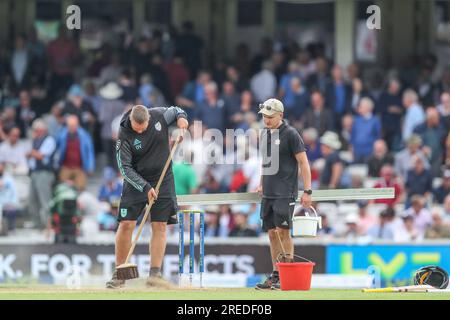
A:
<point x="286" y="240"/>
<point x="157" y="245"/>
<point x="123" y="240"/>
<point x="123" y="245"/>
<point x="275" y="248"/>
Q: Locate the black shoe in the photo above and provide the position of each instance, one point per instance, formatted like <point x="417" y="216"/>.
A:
<point x="267" y="284"/>
<point x="115" y="283"/>
<point x="276" y="284"/>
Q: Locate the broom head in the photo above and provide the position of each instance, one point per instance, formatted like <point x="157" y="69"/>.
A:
<point x="127" y="271"/>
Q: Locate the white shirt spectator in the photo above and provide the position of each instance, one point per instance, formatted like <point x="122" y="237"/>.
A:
<point x="413" y="117"/>
<point x="263" y="85"/>
<point x="422" y="220"/>
<point x="14" y="156"/>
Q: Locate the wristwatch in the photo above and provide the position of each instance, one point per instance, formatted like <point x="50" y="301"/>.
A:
<point x="308" y="191"/>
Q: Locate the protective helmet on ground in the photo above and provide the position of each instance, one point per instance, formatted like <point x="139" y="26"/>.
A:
<point x="433" y="276"/>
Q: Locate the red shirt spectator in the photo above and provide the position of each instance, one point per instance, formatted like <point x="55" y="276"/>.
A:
<point x="388" y="181"/>
<point x="61" y="54"/>
<point x="178" y="76"/>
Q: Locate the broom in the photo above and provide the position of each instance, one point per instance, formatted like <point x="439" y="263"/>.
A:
<point x="127" y="271"/>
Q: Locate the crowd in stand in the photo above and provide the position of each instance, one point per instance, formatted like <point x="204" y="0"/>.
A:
<point x="61" y="106"/>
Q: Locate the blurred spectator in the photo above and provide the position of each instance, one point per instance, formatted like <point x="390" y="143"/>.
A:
<point x="379" y="158"/>
<point x="447" y="209"/>
<point x="212" y="227"/>
<point x="234" y="76"/>
<point x="13" y="153"/>
<point x="300" y="101"/>
<point x="128" y="86"/>
<point x="76" y="153"/>
<point x="111" y="72"/>
<point x="433" y="135"/>
<point x="338" y="95"/>
<point x="25" y="113"/>
<point x="334" y="166"/>
<point x="211" y="112"/>
<point x="160" y="79"/>
<point x="140" y="56"/>
<point x="319" y="80"/>
<point x="21" y="64"/>
<point x="425" y="86"/>
<point x="345" y="134"/>
<point x="242" y="116"/>
<point x="351" y="227"/>
<point x="319" y="117"/>
<point x="54" y="120"/>
<point x="310" y="138"/>
<point x="62" y="54"/>
<point x="264" y="54"/>
<point x="189" y="46"/>
<point x="441" y="192"/>
<point x="365" y="220"/>
<point x="403" y="159"/>
<point x="193" y="93"/>
<point x="305" y="64"/>
<point x="241" y="228"/>
<point x="444" y="110"/>
<point x="230" y="97"/>
<point x="264" y="84"/>
<point x="91" y="96"/>
<point x="107" y="220"/>
<point x="388" y="181"/>
<point x="418" y="180"/>
<point x="178" y="75"/>
<point x="111" y="106"/>
<point x="383" y="229"/>
<point x="9" y="120"/>
<point x="357" y="93"/>
<point x="422" y="216"/>
<point x="149" y="94"/>
<point x="407" y="231"/>
<point x="40" y="160"/>
<point x="326" y="229"/>
<point x="391" y="110"/>
<point x="184" y="175"/>
<point x="111" y="188"/>
<point x="285" y="93"/>
<point x="439" y="229"/>
<point x="366" y="130"/>
<point x="76" y="105"/>
<point x="8" y="194"/>
<point x="414" y="113"/>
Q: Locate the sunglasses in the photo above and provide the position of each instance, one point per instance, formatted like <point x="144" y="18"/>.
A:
<point x="262" y="106"/>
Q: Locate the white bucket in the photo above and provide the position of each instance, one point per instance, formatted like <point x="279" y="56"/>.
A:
<point x="306" y="226"/>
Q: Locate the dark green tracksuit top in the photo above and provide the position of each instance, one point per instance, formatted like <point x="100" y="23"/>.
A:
<point x="141" y="157"/>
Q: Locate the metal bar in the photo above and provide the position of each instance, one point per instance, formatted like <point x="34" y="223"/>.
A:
<point x="318" y="195"/>
<point x="191" y="246"/>
<point x="202" y="248"/>
<point x="180" y="246"/>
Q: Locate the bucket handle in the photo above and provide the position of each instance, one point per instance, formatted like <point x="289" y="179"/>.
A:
<point x="295" y="256"/>
<point x="315" y="214"/>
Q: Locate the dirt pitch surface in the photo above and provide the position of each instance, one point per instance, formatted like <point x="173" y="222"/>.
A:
<point x="44" y="292"/>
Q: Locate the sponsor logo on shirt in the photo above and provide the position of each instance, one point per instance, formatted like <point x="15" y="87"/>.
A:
<point x="123" y="212"/>
<point x="137" y="144"/>
<point x="277" y="142"/>
<point x="158" y="126"/>
<point x="285" y="223"/>
<point x="118" y="143"/>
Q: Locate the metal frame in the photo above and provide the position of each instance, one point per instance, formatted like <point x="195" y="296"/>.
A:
<point x="318" y="195"/>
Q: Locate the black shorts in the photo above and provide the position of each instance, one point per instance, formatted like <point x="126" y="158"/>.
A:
<point x="277" y="213"/>
<point x="163" y="210"/>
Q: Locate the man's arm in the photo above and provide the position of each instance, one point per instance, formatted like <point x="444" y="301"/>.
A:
<point x="172" y="114"/>
<point x="303" y="163"/>
<point x="336" y="172"/>
<point x="124" y="157"/>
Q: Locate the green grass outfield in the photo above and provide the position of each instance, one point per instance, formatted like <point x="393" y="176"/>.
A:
<point x="62" y="293"/>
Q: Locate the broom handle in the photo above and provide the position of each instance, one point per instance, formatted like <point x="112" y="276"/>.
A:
<point x="149" y="206"/>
